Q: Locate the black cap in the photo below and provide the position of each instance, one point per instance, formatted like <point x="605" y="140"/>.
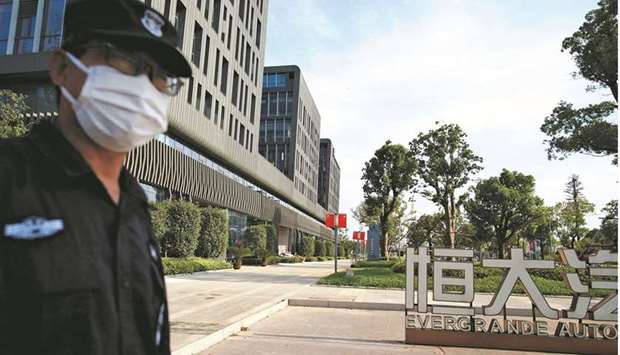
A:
<point x="128" y="24"/>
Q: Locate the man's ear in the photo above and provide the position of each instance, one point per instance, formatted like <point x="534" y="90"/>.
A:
<point x="58" y="65"/>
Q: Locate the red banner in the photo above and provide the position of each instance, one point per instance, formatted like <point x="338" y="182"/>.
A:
<point x="329" y="220"/>
<point x="362" y="236"/>
<point x="342" y="220"/>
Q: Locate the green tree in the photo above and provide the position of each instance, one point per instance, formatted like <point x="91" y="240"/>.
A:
<point x="256" y="237"/>
<point x="592" y="129"/>
<point x="387" y="176"/>
<point x="542" y="230"/>
<point x="445" y="164"/>
<point x="573" y="212"/>
<point x="503" y="206"/>
<point x="366" y="214"/>
<point x="181" y="237"/>
<point x="424" y="231"/>
<point x="608" y="231"/>
<point x="213" y="238"/>
<point x="13" y="121"/>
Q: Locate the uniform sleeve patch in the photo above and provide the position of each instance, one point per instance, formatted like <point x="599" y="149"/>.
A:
<point x="33" y="228"/>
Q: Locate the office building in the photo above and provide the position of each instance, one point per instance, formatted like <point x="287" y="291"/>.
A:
<point x="290" y="126"/>
<point x="329" y="177"/>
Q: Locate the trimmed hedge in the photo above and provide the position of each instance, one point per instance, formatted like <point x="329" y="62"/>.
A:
<point x="376" y="263"/>
<point x="174" y="266"/>
<point x="307" y="246"/>
<point x="319" y="248"/>
<point x="183" y="229"/>
<point x="310" y="258"/>
<point x="291" y="259"/>
<point x="250" y="260"/>
<point x="256" y="237"/>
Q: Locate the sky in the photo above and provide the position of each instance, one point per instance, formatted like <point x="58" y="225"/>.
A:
<point x="391" y="69"/>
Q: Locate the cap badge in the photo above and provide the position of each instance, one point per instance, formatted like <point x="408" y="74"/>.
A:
<point x="153" y="23"/>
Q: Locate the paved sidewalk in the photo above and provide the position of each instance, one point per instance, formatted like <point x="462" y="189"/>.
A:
<point x="205" y="302"/>
<point x="304" y="331"/>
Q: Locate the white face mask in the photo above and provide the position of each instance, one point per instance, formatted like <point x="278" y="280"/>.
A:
<point x="117" y="111"/>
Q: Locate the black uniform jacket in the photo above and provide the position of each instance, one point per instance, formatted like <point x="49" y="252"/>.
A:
<point x="79" y="274"/>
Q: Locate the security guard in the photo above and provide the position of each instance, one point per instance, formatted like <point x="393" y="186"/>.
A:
<point x="80" y="272"/>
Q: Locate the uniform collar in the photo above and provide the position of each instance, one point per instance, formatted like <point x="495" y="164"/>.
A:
<point x="52" y="144"/>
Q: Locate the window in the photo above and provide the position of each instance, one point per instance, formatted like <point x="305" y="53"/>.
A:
<point x="207" y="108"/>
<point x="215" y="21"/>
<point x="252" y="108"/>
<point x="236" y="128"/>
<point x="24" y="34"/>
<point x="5" y="21"/>
<point x="217" y="112"/>
<point x="247" y="59"/>
<point x="205" y="65"/>
<point x="197" y="46"/>
<point x="217" y="67"/>
<point x="281" y="103"/>
<point x="235" y="88"/>
<point x="198" y="96"/>
<point x="258" y="32"/>
<point x="52" y="25"/>
<point x="167" y="9"/>
<point x="245" y="102"/>
<point x="273" y="103"/>
<point x="230" y="126"/>
<point x="237" y="45"/>
<point x="148" y="3"/>
<point x="247" y="12"/>
<point x="247" y="138"/>
<point x="242" y="49"/>
<point x="222" y="118"/>
<point x="229" y="32"/>
<point x="190" y="90"/>
<point x="179" y="23"/>
<point x="198" y="3"/>
<point x="241" y="9"/>
<point x="224" y="81"/>
<point x="251" y="141"/>
<point x="241" y="134"/>
<point x="242" y="87"/>
<point x="251" y="21"/>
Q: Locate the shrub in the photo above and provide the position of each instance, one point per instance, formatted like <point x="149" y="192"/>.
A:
<point x="189" y="265"/>
<point x="310" y="258"/>
<point x="256" y="237"/>
<point x="399" y="267"/>
<point x="159" y="220"/>
<point x="307" y="246"/>
<point x="321" y="258"/>
<point x="183" y="222"/>
<point x="319" y="247"/>
<point x="377" y="263"/>
<point x="291" y="259"/>
<point x="213" y="238"/>
<point x="329" y="248"/>
<point x="273" y="260"/>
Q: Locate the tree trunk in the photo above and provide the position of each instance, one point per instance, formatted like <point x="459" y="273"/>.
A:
<point x="500" y="248"/>
<point x="451" y="214"/>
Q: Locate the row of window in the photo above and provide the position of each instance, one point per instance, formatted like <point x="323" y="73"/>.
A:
<point x="276" y="103"/>
<point x="277" y="154"/>
<point x="275" y="129"/>
<point x="25" y="36"/>
<point x="274" y="80"/>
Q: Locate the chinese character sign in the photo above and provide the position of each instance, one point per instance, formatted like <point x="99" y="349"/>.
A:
<point x="450" y="297"/>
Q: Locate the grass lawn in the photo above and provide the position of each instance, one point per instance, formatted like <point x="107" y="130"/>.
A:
<point x="384" y="277"/>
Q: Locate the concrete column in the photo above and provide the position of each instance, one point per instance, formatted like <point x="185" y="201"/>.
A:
<point x="283" y="233"/>
<point x="38" y="24"/>
<point x="12" y="28"/>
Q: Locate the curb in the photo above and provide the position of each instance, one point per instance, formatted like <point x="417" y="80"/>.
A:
<point x="369" y="306"/>
<point x="216" y="337"/>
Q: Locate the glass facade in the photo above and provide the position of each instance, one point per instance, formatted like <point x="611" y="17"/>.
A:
<point x="274" y="80"/>
<point x="5" y="22"/>
<point x="26" y="20"/>
<point x="51" y="33"/>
